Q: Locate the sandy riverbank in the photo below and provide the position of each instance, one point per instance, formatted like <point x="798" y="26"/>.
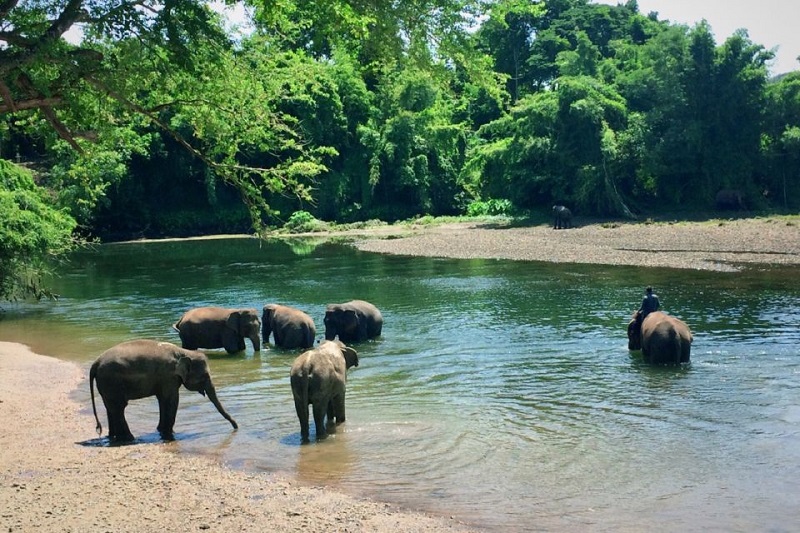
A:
<point x="724" y="245"/>
<point x="53" y="480"/>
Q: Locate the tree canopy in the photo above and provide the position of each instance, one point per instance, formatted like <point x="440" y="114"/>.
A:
<point x="154" y="119"/>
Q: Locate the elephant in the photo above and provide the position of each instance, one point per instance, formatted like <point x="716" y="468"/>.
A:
<point x="562" y="217"/>
<point x="730" y="200"/>
<point x="141" y="368"/>
<point x="663" y="339"/>
<point x="318" y="377"/>
<point x="218" y="327"/>
<point x="292" y="328"/>
<point x="353" y="321"/>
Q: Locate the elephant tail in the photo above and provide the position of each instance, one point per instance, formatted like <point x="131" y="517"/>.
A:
<point x="92" y="377"/>
<point x="675" y="346"/>
<point x="304" y="382"/>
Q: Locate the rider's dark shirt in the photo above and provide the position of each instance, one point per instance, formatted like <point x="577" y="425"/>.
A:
<point x="650" y="303"/>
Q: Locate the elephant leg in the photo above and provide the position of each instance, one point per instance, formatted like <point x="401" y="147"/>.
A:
<point x="187" y="342"/>
<point x="320" y="410"/>
<point x="302" y="414"/>
<point x="118" y="429"/>
<point x="337" y="406"/>
<point x="232" y="342"/>
<point x="167" y="412"/>
<point x="331" y="412"/>
<point x="686" y="353"/>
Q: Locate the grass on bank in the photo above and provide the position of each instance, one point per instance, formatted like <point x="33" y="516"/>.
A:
<point x="303" y="222"/>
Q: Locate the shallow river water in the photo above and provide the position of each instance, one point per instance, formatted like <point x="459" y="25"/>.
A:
<point x="501" y="393"/>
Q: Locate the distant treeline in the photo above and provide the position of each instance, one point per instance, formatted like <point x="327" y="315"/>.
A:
<point x="604" y="109"/>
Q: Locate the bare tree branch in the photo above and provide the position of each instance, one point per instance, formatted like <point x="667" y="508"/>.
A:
<point x="25" y="82"/>
<point x="32" y="103"/>
<point x="60" y="128"/>
<point x="7" y="97"/>
<point x="73" y="12"/>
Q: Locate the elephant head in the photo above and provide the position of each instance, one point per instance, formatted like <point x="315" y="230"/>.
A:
<point x="266" y="321"/>
<point x="341" y="321"/>
<point x="635" y="333"/>
<point x="194" y="374"/>
<point x="245" y="323"/>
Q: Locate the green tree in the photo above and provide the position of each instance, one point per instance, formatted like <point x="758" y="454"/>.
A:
<point x="779" y="179"/>
<point x="33" y="232"/>
<point x="414" y="148"/>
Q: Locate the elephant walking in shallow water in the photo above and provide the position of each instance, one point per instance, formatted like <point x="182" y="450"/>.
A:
<point x="318" y="378"/>
<point x="142" y="368"/>
<point x="218" y="327"/>
<point x="663" y="339"/>
<point x="353" y="321"/>
<point x="292" y="328"/>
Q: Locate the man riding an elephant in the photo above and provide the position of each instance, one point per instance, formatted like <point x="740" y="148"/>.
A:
<point x="650" y="303"/>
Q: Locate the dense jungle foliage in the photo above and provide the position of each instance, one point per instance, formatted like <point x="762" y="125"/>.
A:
<point x="162" y="119"/>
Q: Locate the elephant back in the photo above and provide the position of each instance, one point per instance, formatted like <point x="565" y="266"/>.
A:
<point x="665" y="339"/>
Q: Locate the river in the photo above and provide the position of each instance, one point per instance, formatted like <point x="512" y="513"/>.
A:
<point x="501" y="392"/>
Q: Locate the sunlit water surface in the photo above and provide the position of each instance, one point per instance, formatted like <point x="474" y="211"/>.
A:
<point x="501" y="393"/>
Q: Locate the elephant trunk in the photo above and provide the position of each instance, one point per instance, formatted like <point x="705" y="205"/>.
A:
<point x="266" y="329"/>
<point x="256" y="340"/>
<point x="211" y="392"/>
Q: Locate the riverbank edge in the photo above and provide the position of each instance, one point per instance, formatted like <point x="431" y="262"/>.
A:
<point x="725" y="245"/>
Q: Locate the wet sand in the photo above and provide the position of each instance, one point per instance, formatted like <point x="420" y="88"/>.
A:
<point x="53" y="477"/>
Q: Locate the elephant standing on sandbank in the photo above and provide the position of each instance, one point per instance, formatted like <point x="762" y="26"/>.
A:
<point x="218" y="327"/>
<point x="141" y="368"/>
<point x="562" y="217"/>
<point x="318" y="378"/>
<point x="353" y="321"/>
<point x="291" y="328"/>
<point x="663" y="339"/>
<point x="730" y="200"/>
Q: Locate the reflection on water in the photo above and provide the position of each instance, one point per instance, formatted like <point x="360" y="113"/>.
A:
<point x="501" y="392"/>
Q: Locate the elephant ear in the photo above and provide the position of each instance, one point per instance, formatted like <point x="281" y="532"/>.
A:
<point x="233" y="320"/>
<point x="183" y="367"/>
<point x="350" y="356"/>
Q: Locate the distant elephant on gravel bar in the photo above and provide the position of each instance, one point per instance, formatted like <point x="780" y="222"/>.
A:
<point x="730" y="200"/>
<point x="663" y="339"/>
<point x="291" y="328"/>
<point x="218" y="327"/>
<point x="562" y="217"/>
<point x="142" y="368"/>
<point x="318" y="378"/>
